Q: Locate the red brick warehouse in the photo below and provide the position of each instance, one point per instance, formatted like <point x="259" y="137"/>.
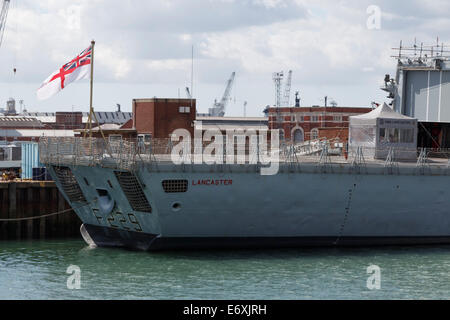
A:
<point x="298" y="124"/>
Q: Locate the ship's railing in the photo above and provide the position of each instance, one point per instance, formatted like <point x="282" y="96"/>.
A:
<point x="129" y="154"/>
<point x="88" y="152"/>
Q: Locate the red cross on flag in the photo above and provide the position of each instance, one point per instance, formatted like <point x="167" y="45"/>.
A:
<point x="77" y="69"/>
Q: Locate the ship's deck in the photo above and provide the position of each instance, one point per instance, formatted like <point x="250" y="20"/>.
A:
<point x="129" y="156"/>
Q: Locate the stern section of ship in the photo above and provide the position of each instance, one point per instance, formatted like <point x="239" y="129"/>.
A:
<point x="114" y="205"/>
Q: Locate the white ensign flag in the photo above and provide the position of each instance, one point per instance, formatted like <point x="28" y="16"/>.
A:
<point x="77" y="69"/>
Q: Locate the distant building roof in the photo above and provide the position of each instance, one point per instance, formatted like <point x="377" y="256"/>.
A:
<point x="31" y="133"/>
<point x="128" y="124"/>
<point x="229" y="123"/>
<point x="108" y="127"/>
<point x="227" y="119"/>
<point x="102" y="117"/>
<point x="331" y="109"/>
<point x="44" y="117"/>
<point x="110" y="117"/>
<point x="20" y="122"/>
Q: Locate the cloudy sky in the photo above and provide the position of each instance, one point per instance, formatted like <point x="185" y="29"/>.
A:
<point x="144" y="48"/>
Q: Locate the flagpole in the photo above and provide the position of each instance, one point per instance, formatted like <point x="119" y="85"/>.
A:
<point x="91" y="108"/>
<point x="92" y="114"/>
<point x="89" y="121"/>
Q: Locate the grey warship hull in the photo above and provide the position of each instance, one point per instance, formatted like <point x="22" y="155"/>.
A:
<point x="202" y="206"/>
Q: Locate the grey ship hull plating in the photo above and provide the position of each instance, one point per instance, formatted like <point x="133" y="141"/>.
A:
<point x="234" y="206"/>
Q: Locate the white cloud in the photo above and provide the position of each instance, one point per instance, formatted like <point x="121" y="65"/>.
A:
<point x="112" y="60"/>
<point x="325" y="42"/>
<point x="270" y="3"/>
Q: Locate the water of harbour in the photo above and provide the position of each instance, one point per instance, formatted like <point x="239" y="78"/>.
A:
<point x="37" y="270"/>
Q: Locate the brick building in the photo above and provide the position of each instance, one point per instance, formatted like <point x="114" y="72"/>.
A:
<point x="152" y="118"/>
<point x="309" y="123"/>
<point x="68" y="120"/>
<point x="158" y="118"/>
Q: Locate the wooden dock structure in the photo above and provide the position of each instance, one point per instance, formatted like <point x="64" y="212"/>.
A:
<point x="20" y="200"/>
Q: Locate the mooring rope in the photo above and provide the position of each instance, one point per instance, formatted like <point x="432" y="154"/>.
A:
<point x="42" y="216"/>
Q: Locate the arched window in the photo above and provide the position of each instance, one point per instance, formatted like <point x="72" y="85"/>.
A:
<point x="314" y="134"/>
<point x="298" y="135"/>
<point x="281" y="134"/>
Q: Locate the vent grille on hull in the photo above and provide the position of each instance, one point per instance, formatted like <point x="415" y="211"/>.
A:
<point x="69" y="184"/>
<point x="175" y="186"/>
<point x="133" y="191"/>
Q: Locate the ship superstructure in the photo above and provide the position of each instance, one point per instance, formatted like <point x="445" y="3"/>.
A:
<point x="421" y="89"/>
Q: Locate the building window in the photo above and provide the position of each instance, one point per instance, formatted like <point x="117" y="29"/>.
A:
<point x="185" y="109"/>
<point x="383" y="135"/>
<point x="298" y="136"/>
<point x="406" y="135"/>
<point x="337" y="118"/>
<point x="314" y="134"/>
<point x="314" y="118"/>
<point x="300" y="118"/>
<point x="115" y="138"/>
<point x="144" y="138"/>
<point x="395" y="135"/>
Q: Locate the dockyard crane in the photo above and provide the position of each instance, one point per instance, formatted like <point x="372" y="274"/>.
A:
<point x="285" y="100"/>
<point x="3" y="16"/>
<point x="188" y="93"/>
<point x="279" y="100"/>
<point x="277" y="78"/>
<point x="219" y="108"/>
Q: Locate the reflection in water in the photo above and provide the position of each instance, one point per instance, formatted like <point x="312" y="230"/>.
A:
<point x="37" y="270"/>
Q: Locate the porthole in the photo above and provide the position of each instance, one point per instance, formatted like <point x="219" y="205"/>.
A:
<point x="176" y="206"/>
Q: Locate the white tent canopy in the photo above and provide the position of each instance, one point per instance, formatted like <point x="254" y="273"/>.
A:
<point x="383" y="112"/>
<point x="381" y="130"/>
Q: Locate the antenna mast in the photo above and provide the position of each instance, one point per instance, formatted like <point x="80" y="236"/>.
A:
<point x="192" y="77"/>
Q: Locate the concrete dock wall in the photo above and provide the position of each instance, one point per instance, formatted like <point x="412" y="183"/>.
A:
<point x="33" y="199"/>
